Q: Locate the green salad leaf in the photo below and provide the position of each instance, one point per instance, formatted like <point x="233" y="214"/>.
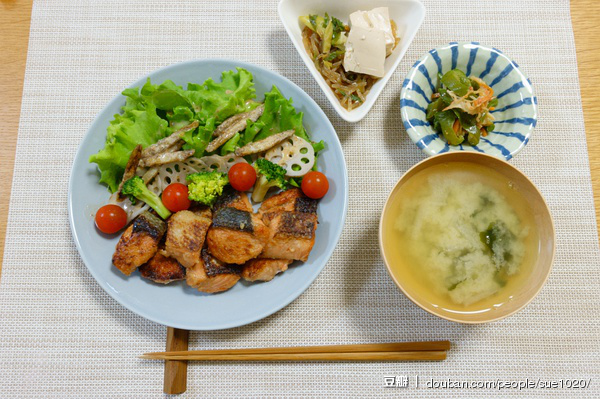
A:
<point x="224" y="99"/>
<point x="180" y="116"/>
<point x="153" y="111"/>
<point x="168" y="96"/>
<point x="231" y="145"/>
<point x="214" y="102"/>
<point x="198" y="139"/>
<point x="126" y="131"/>
<point x="133" y="100"/>
<point x="279" y="115"/>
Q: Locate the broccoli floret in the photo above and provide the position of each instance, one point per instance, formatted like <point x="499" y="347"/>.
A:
<point x="205" y="187"/>
<point x="269" y="175"/>
<point x="135" y="188"/>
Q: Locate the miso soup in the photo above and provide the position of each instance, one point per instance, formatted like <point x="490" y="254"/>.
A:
<point x="460" y="237"/>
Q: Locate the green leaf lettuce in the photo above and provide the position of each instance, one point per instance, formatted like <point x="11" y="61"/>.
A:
<point x="155" y="111"/>
<point x="135" y="126"/>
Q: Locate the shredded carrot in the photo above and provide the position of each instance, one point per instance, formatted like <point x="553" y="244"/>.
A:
<point x="456" y="126"/>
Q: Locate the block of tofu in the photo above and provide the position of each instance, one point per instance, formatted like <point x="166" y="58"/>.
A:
<point x="236" y="236"/>
<point x="292" y="236"/>
<point x="377" y="18"/>
<point x="365" y="51"/>
<point x="139" y="242"/>
<point x="264" y="269"/>
<point x="185" y="235"/>
<point x="211" y="275"/>
<point x="162" y="269"/>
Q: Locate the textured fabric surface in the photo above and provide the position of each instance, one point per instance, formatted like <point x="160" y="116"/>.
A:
<point x="62" y="336"/>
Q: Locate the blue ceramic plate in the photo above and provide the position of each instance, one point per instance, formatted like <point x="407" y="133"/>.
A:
<point x="178" y="305"/>
<point x="516" y="113"/>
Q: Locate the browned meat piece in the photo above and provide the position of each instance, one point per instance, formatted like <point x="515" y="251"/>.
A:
<point x="186" y="234"/>
<point x="236" y="236"/>
<point x="202" y="211"/>
<point x="233" y="199"/>
<point x="162" y="269"/>
<point x="292" y="236"/>
<point x="211" y="275"/>
<point x="264" y="269"/>
<point x="292" y="200"/>
<point x="233" y="246"/>
<point x="139" y="242"/>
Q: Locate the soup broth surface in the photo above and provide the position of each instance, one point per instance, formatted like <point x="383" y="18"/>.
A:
<point x="460" y="237"/>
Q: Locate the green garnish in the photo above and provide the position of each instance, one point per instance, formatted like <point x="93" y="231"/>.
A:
<point x="460" y="108"/>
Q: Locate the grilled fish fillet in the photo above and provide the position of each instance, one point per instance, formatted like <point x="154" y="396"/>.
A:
<point x="264" y="269"/>
<point x="186" y="234"/>
<point x="162" y="269"/>
<point x="292" y="235"/>
<point x="139" y="242"/>
<point x="211" y="275"/>
<point x="236" y="236"/>
<point x="233" y="199"/>
<point x="292" y="200"/>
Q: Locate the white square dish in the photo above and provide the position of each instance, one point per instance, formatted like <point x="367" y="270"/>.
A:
<point x="408" y="15"/>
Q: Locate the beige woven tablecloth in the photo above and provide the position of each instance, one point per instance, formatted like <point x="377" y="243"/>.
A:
<point x="62" y="336"/>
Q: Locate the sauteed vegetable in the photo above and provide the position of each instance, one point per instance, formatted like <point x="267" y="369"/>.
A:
<point x="461" y="108"/>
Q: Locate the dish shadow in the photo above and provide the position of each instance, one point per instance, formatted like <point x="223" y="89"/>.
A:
<point x="94" y="172"/>
<point x="395" y="137"/>
<point x="127" y="319"/>
<point x="368" y="285"/>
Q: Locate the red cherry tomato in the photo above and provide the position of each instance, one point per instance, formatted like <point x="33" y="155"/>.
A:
<point x="175" y="197"/>
<point x="110" y="218"/>
<point x="242" y="176"/>
<point x="315" y="185"/>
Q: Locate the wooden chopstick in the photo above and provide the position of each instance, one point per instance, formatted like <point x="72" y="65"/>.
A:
<point x="384" y="347"/>
<point x="175" y="379"/>
<point x="361" y="352"/>
<point x="337" y="356"/>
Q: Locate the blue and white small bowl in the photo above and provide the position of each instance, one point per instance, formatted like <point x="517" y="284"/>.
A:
<point x="516" y="113"/>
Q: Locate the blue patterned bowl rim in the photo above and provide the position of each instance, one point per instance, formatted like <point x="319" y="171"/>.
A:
<point x="516" y="114"/>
